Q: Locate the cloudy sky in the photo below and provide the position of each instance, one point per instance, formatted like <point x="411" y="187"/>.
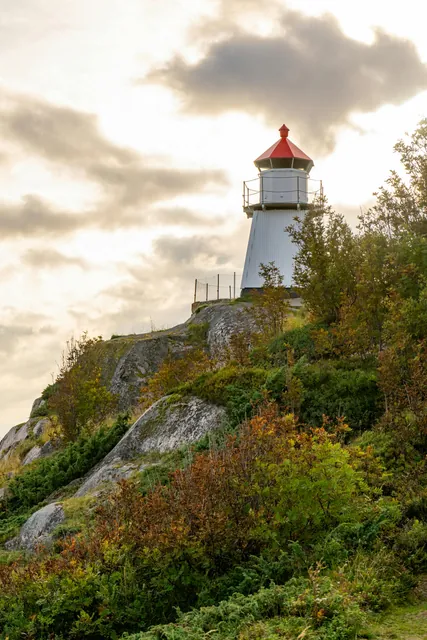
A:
<point x="127" y="127"/>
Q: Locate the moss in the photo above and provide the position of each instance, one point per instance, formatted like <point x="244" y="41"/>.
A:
<point x="160" y="468"/>
<point x="77" y="508"/>
<point x="199" y="309"/>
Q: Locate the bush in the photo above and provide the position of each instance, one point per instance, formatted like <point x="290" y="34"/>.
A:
<point x="411" y="545"/>
<point x="335" y="392"/>
<point x="34" y="485"/>
<point x="148" y="555"/>
<point x="315" y="604"/>
<point x="238" y="389"/>
<point x="78" y="397"/>
<point x="10" y="525"/>
<point x="299" y="340"/>
<point x="175" y="370"/>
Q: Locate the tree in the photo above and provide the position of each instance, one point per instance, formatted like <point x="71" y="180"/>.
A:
<point x="80" y="399"/>
<point x="401" y="206"/>
<point x="270" y="307"/>
<point x="326" y="260"/>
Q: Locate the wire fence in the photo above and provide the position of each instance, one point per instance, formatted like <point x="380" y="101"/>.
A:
<point x="221" y="286"/>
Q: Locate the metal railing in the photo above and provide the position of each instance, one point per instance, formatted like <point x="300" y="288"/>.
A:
<point x="221" y="286"/>
<point x="303" y="191"/>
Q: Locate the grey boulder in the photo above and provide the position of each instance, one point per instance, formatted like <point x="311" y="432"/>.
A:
<point x="166" y="425"/>
<point x="38" y="529"/>
<point x="38" y="452"/>
<point x="40" y="427"/>
<point x="13" y="437"/>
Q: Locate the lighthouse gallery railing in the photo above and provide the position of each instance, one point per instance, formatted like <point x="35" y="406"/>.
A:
<point x="301" y="191"/>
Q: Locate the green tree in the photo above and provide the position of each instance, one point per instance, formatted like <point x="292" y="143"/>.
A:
<point x="80" y="399"/>
<point x="270" y="307"/>
<point x="326" y="260"/>
<point x="401" y="205"/>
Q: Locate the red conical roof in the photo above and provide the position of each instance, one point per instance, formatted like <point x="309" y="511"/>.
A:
<point x="284" y="149"/>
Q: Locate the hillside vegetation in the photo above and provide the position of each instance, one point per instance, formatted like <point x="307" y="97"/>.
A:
<point x="304" y="517"/>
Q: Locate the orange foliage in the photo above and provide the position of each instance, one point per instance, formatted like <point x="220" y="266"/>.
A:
<point x="175" y="371"/>
<point x="227" y="505"/>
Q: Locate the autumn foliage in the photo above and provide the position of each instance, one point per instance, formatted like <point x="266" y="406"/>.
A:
<point x="271" y="485"/>
<point x="79" y="397"/>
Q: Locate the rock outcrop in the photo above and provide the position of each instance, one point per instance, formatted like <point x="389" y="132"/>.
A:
<point x="39" y="452"/>
<point x="224" y="321"/>
<point x="38" y="404"/>
<point x="140" y="361"/>
<point x="127" y="363"/>
<point x="30" y="431"/>
<point x="166" y="425"/>
<point x="38" y="529"/>
<point x="13" y="438"/>
<point x="134" y="359"/>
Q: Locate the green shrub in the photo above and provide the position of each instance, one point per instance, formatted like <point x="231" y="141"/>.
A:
<point x="326" y="391"/>
<point x="238" y="389"/>
<point x="41" y="412"/>
<point x="338" y="392"/>
<point x="315" y="604"/>
<point x="411" y="545"/>
<point x="299" y="340"/>
<point x="35" y="485"/>
<point x="10" y="525"/>
<point x="79" y="399"/>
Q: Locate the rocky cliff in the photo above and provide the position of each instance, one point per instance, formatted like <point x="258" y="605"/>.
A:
<point x="127" y="363"/>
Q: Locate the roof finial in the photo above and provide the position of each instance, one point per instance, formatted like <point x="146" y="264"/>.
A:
<point x="284" y="131"/>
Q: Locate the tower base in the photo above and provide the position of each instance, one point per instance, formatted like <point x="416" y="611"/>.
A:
<point x="269" y="242"/>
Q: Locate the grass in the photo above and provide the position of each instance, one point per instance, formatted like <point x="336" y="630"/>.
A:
<point x="403" y="623"/>
<point x="12" y="463"/>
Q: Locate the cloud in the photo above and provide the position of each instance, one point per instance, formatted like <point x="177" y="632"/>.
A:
<point x="33" y="216"/>
<point x="309" y="74"/>
<point x="18" y="327"/>
<point x="70" y="141"/>
<point x="159" y="288"/>
<point x="50" y="258"/>
<point x="183" y="252"/>
<point x="182" y="217"/>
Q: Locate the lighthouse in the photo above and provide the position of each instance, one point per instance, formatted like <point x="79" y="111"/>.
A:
<point x="272" y="200"/>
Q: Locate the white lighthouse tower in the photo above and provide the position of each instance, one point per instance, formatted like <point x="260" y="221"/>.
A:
<point x="272" y="200"/>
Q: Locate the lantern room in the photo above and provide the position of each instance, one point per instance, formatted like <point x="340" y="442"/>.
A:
<point x="283" y="178"/>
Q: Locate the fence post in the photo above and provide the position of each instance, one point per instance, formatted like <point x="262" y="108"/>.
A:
<point x="230" y="291"/>
<point x="217" y="288"/>
<point x="207" y="292"/>
<point x="195" y="290"/>
<point x="234" y="285"/>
